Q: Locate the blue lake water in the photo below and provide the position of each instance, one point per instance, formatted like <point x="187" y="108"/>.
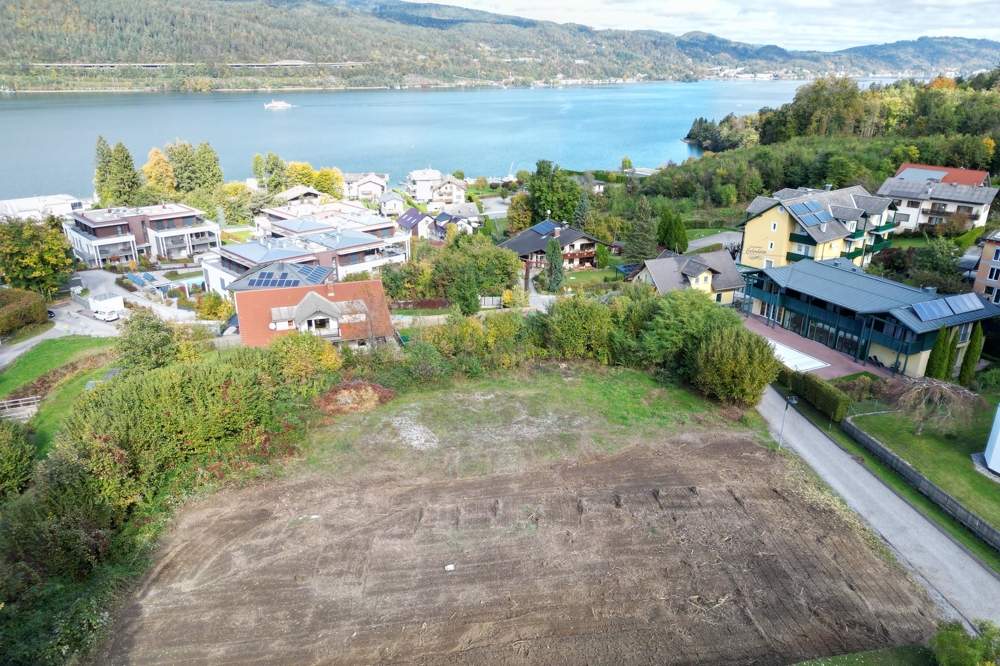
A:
<point x="48" y="139"/>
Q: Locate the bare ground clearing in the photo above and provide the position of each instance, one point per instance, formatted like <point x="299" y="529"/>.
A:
<point x="701" y="548"/>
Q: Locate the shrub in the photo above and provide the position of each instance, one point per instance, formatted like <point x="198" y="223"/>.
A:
<point x="579" y="327"/>
<point x="20" y="308"/>
<point x="733" y="365"/>
<point x="16" y="458"/>
<point x="952" y="646"/>
<point x="989" y="380"/>
<point x="682" y="318"/>
<point x="425" y="363"/>
<point x="305" y="361"/>
<point x="146" y="342"/>
<point x="821" y="394"/>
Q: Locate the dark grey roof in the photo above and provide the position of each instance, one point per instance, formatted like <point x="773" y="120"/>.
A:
<point x="843" y="205"/>
<point x="530" y="241"/>
<point x="670" y="271"/>
<point x="840" y="282"/>
<point x="846" y="213"/>
<point x="761" y="204"/>
<point x="411" y="218"/>
<point x="903" y="188"/>
<point x="280" y="274"/>
<point x="872" y="205"/>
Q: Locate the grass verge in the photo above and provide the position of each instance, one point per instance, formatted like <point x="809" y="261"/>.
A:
<point x="29" y="331"/>
<point x="55" y="408"/>
<point x="46" y="356"/>
<point x="986" y="554"/>
<point x="910" y="655"/>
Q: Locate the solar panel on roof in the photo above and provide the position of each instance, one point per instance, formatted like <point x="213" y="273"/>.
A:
<point x="799" y="209"/>
<point x="823" y="216"/>
<point x="814" y="206"/>
<point x="962" y="303"/>
<point x="809" y="219"/>
<point x="931" y="310"/>
<point x="283" y="276"/>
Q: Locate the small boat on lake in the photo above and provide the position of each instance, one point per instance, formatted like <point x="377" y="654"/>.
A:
<point x="277" y="105"/>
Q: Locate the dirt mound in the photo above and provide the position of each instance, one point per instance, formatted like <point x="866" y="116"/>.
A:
<point x="353" y="397"/>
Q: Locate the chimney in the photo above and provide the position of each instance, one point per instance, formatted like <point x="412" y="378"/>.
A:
<point x="828" y="187"/>
<point x="930" y="290"/>
<point x="555" y="232"/>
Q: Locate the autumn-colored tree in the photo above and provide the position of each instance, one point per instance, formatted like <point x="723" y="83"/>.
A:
<point x="300" y="173"/>
<point x="329" y="180"/>
<point x="158" y="172"/>
<point x="34" y="256"/>
<point x="519" y="215"/>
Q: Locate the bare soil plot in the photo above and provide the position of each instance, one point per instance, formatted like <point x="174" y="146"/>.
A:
<point x="701" y="547"/>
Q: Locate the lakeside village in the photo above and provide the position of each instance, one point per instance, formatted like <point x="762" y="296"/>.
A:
<point x="442" y="274"/>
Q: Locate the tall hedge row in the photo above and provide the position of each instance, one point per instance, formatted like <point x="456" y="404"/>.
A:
<point x="20" y="308"/>
<point x="819" y="393"/>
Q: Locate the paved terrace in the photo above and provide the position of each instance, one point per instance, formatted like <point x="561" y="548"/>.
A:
<point x="838" y="363"/>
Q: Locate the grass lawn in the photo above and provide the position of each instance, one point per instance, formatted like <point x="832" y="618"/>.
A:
<point x="979" y="548"/>
<point x="719" y="218"/>
<point x="909" y="241"/>
<point x="29" y="332"/>
<point x="421" y="312"/>
<point x="48" y="355"/>
<point x="944" y="459"/>
<point x="912" y="655"/>
<point x="55" y="408"/>
<point x="236" y="237"/>
<point x="699" y="233"/>
<point x="574" y="278"/>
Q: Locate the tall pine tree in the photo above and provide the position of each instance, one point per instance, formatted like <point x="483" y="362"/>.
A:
<point x="971" y="359"/>
<point x="582" y="212"/>
<point x="640" y="241"/>
<point x="123" y="182"/>
<point x="554" y="259"/>
<point x="102" y="167"/>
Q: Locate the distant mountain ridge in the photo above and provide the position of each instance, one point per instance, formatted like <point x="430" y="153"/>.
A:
<point x="405" y="43"/>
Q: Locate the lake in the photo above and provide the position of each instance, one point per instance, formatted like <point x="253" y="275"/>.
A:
<point x="48" y="139"/>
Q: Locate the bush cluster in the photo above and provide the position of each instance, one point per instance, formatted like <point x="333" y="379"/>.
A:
<point x="20" y="308"/>
<point x="16" y="458"/>
<point x="819" y="393"/>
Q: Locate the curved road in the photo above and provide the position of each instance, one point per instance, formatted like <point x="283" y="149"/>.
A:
<point x="956" y="581"/>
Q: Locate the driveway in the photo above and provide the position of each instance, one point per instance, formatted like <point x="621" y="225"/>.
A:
<point x="100" y="282"/>
<point x="495" y="207"/>
<point x="68" y="321"/>
<point x="956" y="581"/>
<point x="723" y="237"/>
<point x="536" y="300"/>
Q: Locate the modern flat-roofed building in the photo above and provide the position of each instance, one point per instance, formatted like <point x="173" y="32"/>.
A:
<point x="870" y="318"/>
<point x="39" y="208"/>
<point x="164" y="232"/>
<point x="924" y="194"/>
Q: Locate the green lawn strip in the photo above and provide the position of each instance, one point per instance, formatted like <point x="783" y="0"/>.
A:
<point x="909" y="655"/>
<point x="46" y="356"/>
<point x="697" y="234"/>
<point x="979" y="548"/>
<point x="944" y="460"/>
<point x="719" y="218"/>
<point x="908" y="241"/>
<point x="236" y="236"/>
<point x="572" y="278"/>
<point x="28" y="332"/>
<point x="421" y="312"/>
<point x="56" y="407"/>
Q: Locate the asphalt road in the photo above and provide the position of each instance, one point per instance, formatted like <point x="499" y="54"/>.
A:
<point x="724" y="237"/>
<point x="68" y="321"/>
<point x="957" y="582"/>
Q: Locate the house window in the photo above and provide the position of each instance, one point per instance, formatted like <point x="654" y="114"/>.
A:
<point x="913" y="204"/>
<point x="770" y="245"/>
<point x="964" y="332"/>
<point x="988" y="291"/>
<point x="936" y="220"/>
<point x="768" y="263"/>
<point x="774" y="226"/>
<point x="996" y="254"/>
<point x="996" y="296"/>
<point x="938" y="207"/>
<point x="994" y="274"/>
<point x="965" y="210"/>
<point x="902" y="218"/>
<point x="897" y="202"/>
<point x="718" y="297"/>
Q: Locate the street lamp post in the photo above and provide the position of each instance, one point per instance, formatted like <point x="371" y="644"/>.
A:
<point x="789" y="400"/>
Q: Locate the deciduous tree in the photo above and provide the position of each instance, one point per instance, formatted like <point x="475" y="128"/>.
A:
<point x="34" y="256"/>
<point x="159" y="173"/>
<point x="553" y="192"/>
<point x="519" y="215"/>
<point x="145" y="342"/>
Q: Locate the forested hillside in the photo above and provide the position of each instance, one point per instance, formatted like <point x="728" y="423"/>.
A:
<point x="398" y="43"/>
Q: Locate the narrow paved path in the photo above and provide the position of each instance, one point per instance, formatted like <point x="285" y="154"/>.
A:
<point x="958" y="583"/>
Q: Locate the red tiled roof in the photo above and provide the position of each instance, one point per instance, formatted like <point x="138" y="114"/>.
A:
<point x="953" y="174"/>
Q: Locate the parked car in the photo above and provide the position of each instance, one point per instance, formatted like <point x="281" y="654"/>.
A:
<point x="106" y="316"/>
<point x="52" y="315"/>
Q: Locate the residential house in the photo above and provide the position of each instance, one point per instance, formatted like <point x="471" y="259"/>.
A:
<point x="344" y="250"/>
<point x="927" y="195"/>
<point x="416" y="222"/>
<point x="465" y="210"/>
<point x="282" y="220"/>
<point x="987" y="275"/>
<point x="714" y="273"/>
<point x="870" y="318"/>
<point x="579" y="249"/>
<point x="40" y="208"/>
<point x="803" y="223"/>
<point x="299" y="194"/>
<point x="449" y="190"/>
<point x="279" y="298"/>
<point x="365" y="186"/>
<point x="392" y="204"/>
<point x="442" y="221"/>
<point x="420" y="184"/>
<point x="164" y="232"/>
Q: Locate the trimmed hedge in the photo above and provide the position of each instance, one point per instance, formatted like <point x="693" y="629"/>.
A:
<point x="20" y="308"/>
<point x="821" y="394"/>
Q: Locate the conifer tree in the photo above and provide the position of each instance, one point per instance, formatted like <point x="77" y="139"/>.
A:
<point x="971" y="359"/>
<point x="938" y="356"/>
<point x="554" y="258"/>
<point x="123" y="184"/>
<point x="102" y="166"/>
<point x="640" y="241"/>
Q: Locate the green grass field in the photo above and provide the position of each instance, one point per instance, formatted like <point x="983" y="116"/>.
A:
<point x="979" y="548"/>
<point x="908" y="241"/>
<point x="56" y="407"/>
<point x="699" y="233"/>
<point x="944" y="459"/>
<point x="575" y="278"/>
<point x="912" y="655"/>
<point x="46" y="356"/>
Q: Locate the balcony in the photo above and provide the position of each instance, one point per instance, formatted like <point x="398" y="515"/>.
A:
<point x="853" y="254"/>
<point x="857" y="234"/>
<point x="885" y="228"/>
<point x="804" y="239"/>
<point x="794" y="256"/>
<point x="881" y="245"/>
